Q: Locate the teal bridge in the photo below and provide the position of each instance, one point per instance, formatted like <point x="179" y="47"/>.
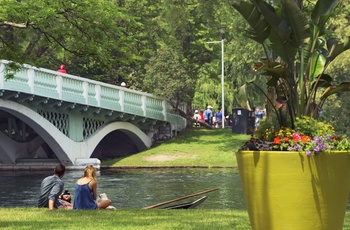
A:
<point x="48" y="117"/>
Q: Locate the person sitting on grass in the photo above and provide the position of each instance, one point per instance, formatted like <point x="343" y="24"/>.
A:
<point x="51" y="188"/>
<point x="85" y="191"/>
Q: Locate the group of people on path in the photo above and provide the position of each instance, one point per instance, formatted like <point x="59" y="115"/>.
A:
<point x="209" y="117"/>
<point x="52" y="196"/>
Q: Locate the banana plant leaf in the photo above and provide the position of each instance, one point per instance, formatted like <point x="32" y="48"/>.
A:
<point x="345" y="86"/>
<point x="325" y="81"/>
<point x="318" y="61"/>
<point x="338" y="48"/>
<point x="322" y="11"/>
<point x="259" y="28"/>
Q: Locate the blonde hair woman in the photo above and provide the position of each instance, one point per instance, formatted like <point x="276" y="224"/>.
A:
<point x="85" y="191"/>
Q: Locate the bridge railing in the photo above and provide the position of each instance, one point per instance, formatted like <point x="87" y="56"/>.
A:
<point x="65" y="87"/>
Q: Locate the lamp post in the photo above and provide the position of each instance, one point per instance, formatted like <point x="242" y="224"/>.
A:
<point x="222" y="31"/>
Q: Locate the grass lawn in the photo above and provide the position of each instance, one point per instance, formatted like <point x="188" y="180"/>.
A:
<point x="195" y="147"/>
<point x="35" y="218"/>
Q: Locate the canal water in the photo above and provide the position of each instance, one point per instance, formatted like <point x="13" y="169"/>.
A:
<point x="134" y="188"/>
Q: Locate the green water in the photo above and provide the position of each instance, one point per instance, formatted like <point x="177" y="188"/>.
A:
<point x="136" y="188"/>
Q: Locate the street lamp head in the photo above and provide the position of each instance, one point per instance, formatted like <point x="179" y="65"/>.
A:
<point x="222" y="31"/>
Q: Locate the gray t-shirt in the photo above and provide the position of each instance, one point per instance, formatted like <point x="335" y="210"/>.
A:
<point x="51" y="188"/>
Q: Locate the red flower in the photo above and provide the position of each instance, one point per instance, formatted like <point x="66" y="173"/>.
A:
<point x="305" y="138"/>
<point x="285" y="139"/>
<point x="338" y="138"/>
<point x="277" y="140"/>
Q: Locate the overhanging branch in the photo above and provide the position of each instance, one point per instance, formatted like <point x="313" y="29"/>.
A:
<point x="13" y="24"/>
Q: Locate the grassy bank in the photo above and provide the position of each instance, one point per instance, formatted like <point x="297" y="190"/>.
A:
<point x="193" y="147"/>
<point x="34" y="218"/>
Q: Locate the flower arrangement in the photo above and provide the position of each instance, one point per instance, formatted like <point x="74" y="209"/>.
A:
<point x="309" y="136"/>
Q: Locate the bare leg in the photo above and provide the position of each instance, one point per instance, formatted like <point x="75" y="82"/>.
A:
<point x="104" y="204"/>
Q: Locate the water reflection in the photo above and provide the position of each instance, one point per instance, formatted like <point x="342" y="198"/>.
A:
<point x="135" y="188"/>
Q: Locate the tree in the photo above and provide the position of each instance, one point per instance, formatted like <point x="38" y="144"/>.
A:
<point x="167" y="77"/>
<point x="46" y="33"/>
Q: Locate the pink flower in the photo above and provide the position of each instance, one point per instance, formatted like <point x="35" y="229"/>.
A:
<point x="296" y="137"/>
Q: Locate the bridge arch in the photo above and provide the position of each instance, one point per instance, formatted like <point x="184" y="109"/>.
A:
<point x="57" y="141"/>
<point x="117" y="139"/>
<point x="65" y="149"/>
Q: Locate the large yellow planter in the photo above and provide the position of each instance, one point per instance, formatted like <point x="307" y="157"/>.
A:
<point x="289" y="190"/>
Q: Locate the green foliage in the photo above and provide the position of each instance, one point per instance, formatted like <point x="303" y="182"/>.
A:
<point x="335" y="111"/>
<point x="344" y="144"/>
<point x="49" y="33"/>
<point x="239" y="55"/>
<point x="336" y="108"/>
<point x="11" y="69"/>
<point x="311" y="127"/>
<point x="208" y="88"/>
<point x="167" y="77"/>
<point x="266" y="130"/>
<point x="113" y="41"/>
<point x="304" y="52"/>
